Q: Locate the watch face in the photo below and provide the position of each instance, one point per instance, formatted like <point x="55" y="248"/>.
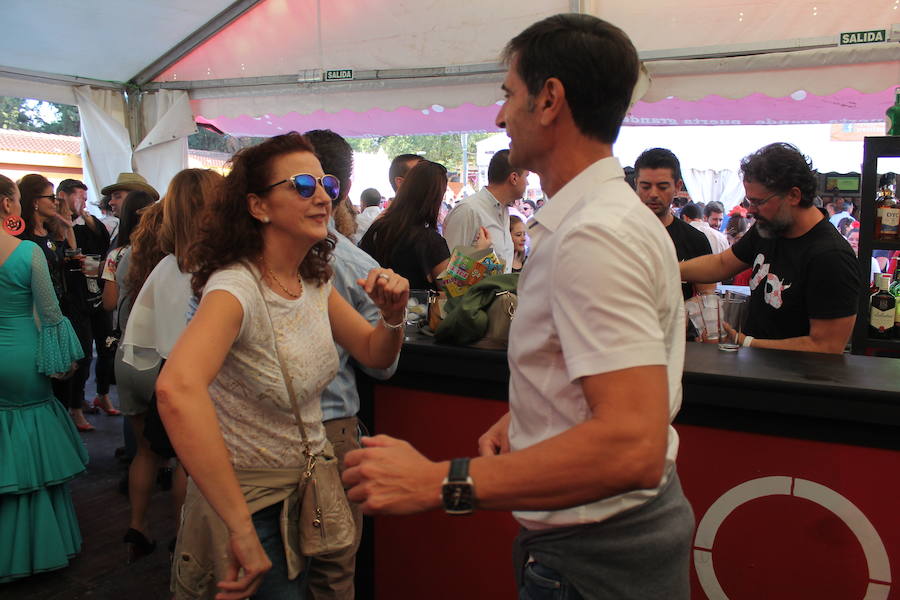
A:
<point x="458" y="498"/>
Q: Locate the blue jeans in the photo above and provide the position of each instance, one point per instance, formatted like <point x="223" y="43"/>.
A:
<point x="275" y="584"/>
<point x="540" y="582"/>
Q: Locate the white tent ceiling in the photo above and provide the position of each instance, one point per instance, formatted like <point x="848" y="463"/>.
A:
<point x="264" y="58"/>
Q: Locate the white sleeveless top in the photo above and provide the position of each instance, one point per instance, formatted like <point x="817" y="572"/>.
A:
<point x="249" y="394"/>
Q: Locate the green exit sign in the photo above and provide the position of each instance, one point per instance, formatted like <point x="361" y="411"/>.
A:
<point x="863" y="37"/>
<point x="338" y="74"/>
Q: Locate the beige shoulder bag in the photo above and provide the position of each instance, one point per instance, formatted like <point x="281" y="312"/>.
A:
<point x="326" y="524"/>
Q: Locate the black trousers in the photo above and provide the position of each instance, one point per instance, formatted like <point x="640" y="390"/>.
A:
<point x="70" y="392"/>
<point x="101" y="325"/>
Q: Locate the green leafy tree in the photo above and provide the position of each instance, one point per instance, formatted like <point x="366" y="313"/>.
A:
<point x="67" y="121"/>
<point x="445" y="149"/>
<point x="37" y="115"/>
<point x="13" y="114"/>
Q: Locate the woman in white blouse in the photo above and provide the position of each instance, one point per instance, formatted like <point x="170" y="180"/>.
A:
<point x="263" y="270"/>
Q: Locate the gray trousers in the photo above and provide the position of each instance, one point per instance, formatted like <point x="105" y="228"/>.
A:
<point x="642" y="554"/>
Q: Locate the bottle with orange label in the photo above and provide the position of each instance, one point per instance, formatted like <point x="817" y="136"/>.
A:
<point x="887" y="216"/>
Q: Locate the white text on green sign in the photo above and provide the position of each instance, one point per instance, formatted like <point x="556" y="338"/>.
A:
<point x="338" y="74"/>
<point x="863" y="37"/>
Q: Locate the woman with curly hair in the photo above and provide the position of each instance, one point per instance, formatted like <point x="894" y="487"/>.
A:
<point x="405" y="237"/>
<point x="268" y="319"/>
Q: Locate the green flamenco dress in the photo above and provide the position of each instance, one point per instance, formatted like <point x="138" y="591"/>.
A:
<point x="40" y="449"/>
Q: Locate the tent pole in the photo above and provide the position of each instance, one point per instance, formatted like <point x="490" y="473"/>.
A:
<point x="586" y="7"/>
<point x="464" y="140"/>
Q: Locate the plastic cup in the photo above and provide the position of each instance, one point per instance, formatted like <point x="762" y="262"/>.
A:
<point x="91" y="265"/>
<point x="732" y="320"/>
<point x="709" y="312"/>
<point x="694" y="316"/>
<point x="416" y="311"/>
<point x="73" y="260"/>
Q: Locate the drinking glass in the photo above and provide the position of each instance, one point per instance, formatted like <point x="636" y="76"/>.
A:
<point x="732" y="320"/>
<point x="73" y="259"/>
<point x="91" y="265"/>
<point x="416" y="311"/>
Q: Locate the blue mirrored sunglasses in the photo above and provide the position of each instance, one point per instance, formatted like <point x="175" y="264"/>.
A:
<point x="305" y="184"/>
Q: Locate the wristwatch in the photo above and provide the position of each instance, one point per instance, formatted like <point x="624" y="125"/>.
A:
<point x="458" y="490"/>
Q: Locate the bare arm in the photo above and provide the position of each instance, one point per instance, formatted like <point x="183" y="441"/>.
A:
<point x="704" y="288"/>
<point x="93" y="223"/>
<point x="110" y="295"/>
<point x="711" y="268"/>
<point x="190" y="419"/>
<point x="620" y="448"/>
<point x="825" y="335"/>
<point x="375" y="347"/>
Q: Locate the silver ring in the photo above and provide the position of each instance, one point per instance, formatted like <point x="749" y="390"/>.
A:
<point x="384" y="276"/>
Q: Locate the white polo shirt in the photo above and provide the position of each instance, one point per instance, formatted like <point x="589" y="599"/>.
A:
<point x="481" y="209"/>
<point x="601" y="292"/>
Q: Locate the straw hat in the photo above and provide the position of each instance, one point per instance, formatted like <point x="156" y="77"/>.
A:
<point x="130" y="182"/>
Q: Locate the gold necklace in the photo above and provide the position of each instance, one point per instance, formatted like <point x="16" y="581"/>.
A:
<point x="284" y="289"/>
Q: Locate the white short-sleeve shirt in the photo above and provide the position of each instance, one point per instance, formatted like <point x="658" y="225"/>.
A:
<point x="601" y="292"/>
<point x="249" y="394"/>
<point x="481" y="209"/>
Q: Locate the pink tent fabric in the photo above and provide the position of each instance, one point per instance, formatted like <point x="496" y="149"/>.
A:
<point x="846" y="106"/>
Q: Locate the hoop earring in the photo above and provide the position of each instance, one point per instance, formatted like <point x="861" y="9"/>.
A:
<point x="13" y="225"/>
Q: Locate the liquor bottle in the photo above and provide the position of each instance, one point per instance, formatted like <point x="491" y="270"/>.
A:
<point x="892" y="116"/>
<point x="895" y="291"/>
<point x="882" y="309"/>
<point x="887" y="216"/>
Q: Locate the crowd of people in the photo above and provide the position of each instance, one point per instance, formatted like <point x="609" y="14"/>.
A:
<point x="231" y="314"/>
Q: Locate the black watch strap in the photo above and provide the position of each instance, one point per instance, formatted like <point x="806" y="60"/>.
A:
<point x="459" y="469"/>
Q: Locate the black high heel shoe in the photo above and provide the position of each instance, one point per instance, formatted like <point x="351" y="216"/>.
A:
<point x="138" y="545"/>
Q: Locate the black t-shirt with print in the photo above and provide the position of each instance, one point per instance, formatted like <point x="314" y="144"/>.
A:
<point x="689" y="243"/>
<point x="814" y="276"/>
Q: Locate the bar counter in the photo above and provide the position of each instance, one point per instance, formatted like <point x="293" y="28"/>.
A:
<point x="790" y="460"/>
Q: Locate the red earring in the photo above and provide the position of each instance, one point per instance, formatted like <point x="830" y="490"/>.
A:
<point x="13" y="225"/>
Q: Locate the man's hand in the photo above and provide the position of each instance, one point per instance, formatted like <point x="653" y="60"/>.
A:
<point x="496" y="439"/>
<point x="482" y="239"/>
<point x="249" y="563"/>
<point x="388" y="476"/>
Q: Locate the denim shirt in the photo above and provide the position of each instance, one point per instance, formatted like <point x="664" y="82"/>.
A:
<point x="341" y="398"/>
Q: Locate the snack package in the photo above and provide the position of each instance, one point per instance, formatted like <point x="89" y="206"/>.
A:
<point x="469" y="265"/>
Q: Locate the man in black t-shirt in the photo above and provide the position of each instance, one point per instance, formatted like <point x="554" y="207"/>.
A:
<point x="806" y="281"/>
<point x="657" y="173"/>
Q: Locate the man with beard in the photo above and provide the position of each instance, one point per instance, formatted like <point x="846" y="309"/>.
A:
<point x="805" y="280"/>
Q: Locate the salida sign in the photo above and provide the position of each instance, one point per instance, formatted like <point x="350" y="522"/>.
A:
<point x="863" y="37"/>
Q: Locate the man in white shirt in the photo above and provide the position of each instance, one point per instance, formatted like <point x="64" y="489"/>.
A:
<point x="489" y="208"/>
<point x="596" y="350"/>
<point x="691" y="214"/>
<point x="370" y="201"/>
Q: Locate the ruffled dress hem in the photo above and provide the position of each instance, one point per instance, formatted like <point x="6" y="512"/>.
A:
<point x="40" y="544"/>
<point x="40" y="446"/>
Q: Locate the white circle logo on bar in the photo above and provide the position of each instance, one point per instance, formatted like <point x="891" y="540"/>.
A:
<point x="876" y="556"/>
